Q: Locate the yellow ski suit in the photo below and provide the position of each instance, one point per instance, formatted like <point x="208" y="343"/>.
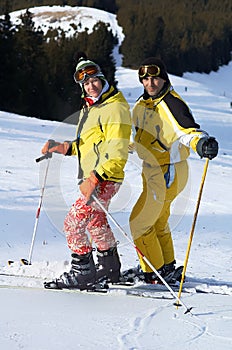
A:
<point x="165" y="130"/>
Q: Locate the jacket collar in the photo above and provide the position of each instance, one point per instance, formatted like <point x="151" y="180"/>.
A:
<point x="106" y="93"/>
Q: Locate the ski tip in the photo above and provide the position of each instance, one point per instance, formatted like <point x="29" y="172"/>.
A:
<point x="22" y="261"/>
<point x="52" y="285"/>
<point x="25" y="262"/>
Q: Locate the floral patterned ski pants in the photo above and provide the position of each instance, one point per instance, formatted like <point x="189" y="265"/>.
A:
<point x="82" y="217"/>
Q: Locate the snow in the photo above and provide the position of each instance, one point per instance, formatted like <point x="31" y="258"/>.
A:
<point x="38" y="319"/>
<point x="65" y="17"/>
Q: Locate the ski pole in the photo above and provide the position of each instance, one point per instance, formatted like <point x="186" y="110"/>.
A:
<point x="142" y="255"/>
<point x="39" y="208"/>
<point x="193" y="228"/>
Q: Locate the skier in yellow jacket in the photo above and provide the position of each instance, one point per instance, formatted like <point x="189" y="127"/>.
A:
<point x="101" y="145"/>
<point x="165" y="131"/>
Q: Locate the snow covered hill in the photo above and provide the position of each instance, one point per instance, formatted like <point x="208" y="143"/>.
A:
<point x="48" y="320"/>
<point x="68" y="18"/>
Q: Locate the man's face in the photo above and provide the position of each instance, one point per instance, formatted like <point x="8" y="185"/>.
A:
<point x="153" y="85"/>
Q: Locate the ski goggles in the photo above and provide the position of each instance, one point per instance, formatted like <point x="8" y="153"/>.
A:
<point x="151" y="70"/>
<point x="82" y="74"/>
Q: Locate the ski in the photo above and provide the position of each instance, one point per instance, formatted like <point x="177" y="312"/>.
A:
<point x="9" y="274"/>
<point x="99" y="287"/>
<point x="188" y="287"/>
<point x="39" y="288"/>
<point x="21" y="261"/>
<point x="131" y="282"/>
<point x="139" y="289"/>
<point x="114" y="290"/>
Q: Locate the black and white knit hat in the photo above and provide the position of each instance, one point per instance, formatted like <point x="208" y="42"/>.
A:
<point x="83" y="62"/>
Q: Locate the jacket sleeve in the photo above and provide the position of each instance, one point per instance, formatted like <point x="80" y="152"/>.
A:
<point x="189" y="131"/>
<point x="116" y="127"/>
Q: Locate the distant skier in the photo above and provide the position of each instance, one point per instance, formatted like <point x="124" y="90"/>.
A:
<point x="165" y="131"/>
<point x="101" y="145"/>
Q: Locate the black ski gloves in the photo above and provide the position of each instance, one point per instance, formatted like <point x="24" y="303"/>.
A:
<point x="207" y="147"/>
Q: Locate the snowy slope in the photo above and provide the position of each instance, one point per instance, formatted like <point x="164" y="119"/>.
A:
<point x="68" y="17"/>
<point x="48" y="320"/>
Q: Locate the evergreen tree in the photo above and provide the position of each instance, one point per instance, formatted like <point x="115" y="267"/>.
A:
<point x="8" y="72"/>
<point x="31" y="69"/>
<point x="100" y="47"/>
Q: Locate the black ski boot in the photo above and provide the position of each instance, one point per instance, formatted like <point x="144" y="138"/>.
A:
<point x="169" y="273"/>
<point x="81" y="276"/>
<point x="173" y="274"/>
<point x="84" y="268"/>
<point x="152" y="278"/>
<point x="133" y="274"/>
<point x="109" y="265"/>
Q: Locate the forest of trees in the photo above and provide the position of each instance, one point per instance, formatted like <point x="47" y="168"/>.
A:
<point x="36" y="76"/>
<point x="193" y="36"/>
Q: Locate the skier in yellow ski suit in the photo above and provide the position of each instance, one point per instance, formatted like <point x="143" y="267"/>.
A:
<point x="165" y="132"/>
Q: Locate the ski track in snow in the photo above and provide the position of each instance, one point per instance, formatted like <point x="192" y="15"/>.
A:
<point x="196" y="329"/>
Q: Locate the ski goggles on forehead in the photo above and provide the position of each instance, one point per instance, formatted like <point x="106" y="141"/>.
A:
<point x="151" y="70"/>
<point x="81" y="74"/>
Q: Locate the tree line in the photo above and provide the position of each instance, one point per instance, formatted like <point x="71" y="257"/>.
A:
<point x="36" y="76"/>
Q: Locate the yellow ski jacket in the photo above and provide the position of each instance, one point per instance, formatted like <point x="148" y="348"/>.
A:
<point x="103" y="134"/>
<point x="165" y="129"/>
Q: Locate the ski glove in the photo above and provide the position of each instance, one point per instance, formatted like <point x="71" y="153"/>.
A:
<point x="207" y="147"/>
<point x="57" y="147"/>
<point x="88" y="186"/>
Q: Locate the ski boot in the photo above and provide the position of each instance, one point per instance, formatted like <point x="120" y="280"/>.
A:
<point x="109" y="265"/>
<point x="82" y="275"/>
<point x="172" y="274"/>
<point x="133" y="275"/>
<point x="169" y="273"/>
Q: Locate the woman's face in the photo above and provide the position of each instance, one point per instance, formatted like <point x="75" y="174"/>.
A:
<point x="93" y="86"/>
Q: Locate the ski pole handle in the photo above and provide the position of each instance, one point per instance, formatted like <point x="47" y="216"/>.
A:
<point x="46" y="156"/>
